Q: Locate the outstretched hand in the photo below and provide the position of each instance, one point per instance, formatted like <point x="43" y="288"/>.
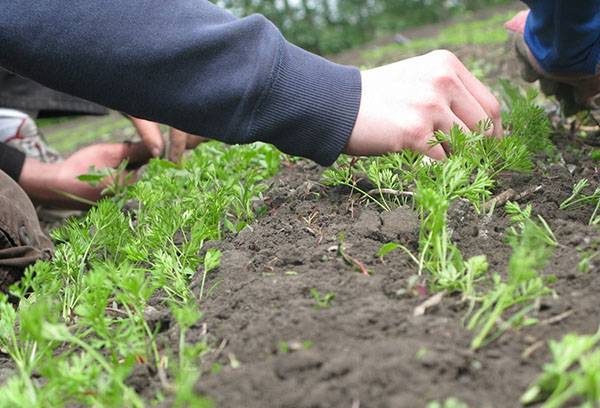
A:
<point x="56" y="184"/>
<point x="403" y="104"/>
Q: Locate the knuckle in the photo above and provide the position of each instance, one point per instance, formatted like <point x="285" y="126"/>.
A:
<point x="418" y="132"/>
<point x="444" y="56"/>
<point x="433" y="106"/>
<point x="445" y="80"/>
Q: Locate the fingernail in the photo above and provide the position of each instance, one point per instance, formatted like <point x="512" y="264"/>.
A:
<point x="155" y="152"/>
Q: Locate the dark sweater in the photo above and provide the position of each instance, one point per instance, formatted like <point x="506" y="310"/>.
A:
<point x="188" y="64"/>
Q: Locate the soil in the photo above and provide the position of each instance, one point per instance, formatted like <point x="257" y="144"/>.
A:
<point x="367" y="348"/>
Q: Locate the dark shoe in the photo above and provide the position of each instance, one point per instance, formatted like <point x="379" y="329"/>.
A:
<point x="22" y="242"/>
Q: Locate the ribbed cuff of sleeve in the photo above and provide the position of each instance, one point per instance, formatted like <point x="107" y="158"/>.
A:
<point x="11" y="161"/>
<point x="310" y="108"/>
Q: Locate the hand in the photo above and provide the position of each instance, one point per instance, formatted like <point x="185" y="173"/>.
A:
<point x="404" y="103"/>
<point x="152" y="138"/>
<point x="56" y="184"/>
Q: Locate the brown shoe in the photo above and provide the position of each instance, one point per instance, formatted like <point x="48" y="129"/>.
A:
<point x="22" y="241"/>
<point x="575" y="92"/>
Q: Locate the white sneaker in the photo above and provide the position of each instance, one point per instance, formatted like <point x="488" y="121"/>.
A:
<point x="30" y="140"/>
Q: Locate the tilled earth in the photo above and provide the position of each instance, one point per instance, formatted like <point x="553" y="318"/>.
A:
<point x="278" y="349"/>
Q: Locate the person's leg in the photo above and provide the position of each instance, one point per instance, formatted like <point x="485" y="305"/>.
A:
<point x="558" y="42"/>
<point x="22" y="241"/>
<point x="564" y="35"/>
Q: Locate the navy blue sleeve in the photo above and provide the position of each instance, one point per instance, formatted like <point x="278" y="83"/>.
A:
<point x="188" y="64"/>
<point x="564" y="35"/>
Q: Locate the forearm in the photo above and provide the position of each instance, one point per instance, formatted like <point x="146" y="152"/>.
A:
<point x="37" y="179"/>
<point x="564" y="35"/>
<point x="190" y="65"/>
<point x="34" y="177"/>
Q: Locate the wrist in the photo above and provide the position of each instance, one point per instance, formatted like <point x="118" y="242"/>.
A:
<point x="38" y="179"/>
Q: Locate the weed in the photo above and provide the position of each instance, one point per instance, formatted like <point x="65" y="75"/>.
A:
<point x="283" y="347"/>
<point x="350" y="260"/>
<point x="588" y="256"/>
<point x="307" y="344"/>
<point x="421" y="353"/>
<point x="117" y="180"/>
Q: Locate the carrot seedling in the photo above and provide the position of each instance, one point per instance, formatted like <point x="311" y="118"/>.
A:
<point x="573" y="374"/>
<point x="532" y="245"/>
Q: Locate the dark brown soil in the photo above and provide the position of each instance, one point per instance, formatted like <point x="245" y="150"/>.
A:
<point x="367" y="349"/>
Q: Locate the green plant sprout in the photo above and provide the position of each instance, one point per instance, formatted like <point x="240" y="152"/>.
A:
<point x="578" y="199"/>
<point x="573" y="374"/>
<point x="83" y="320"/>
<point x="117" y="180"/>
<point x="322" y="301"/>
<point x="589" y="255"/>
<point x="386" y="249"/>
<point x="532" y="246"/>
<point x="212" y="260"/>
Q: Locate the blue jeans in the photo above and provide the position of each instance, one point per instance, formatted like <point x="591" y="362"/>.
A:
<point x="564" y="35"/>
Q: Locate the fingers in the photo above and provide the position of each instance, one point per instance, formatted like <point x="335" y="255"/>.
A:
<point x="177" y="145"/>
<point x="469" y="110"/>
<point x="193" y="141"/>
<point x="150" y="134"/>
<point x="482" y="100"/>
<point x="445" y="123"/>
<point x="517" y="23"/>
<point x="136" y="153"/>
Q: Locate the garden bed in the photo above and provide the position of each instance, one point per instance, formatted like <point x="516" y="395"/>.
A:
<point x="367" y="348"/>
